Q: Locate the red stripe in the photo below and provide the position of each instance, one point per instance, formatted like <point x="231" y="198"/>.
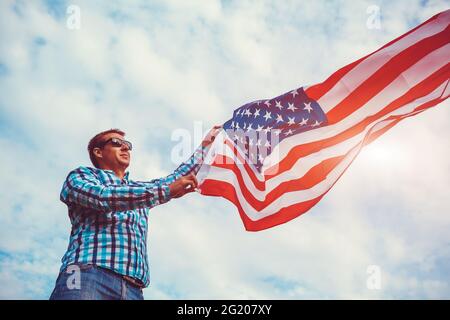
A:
<point x="317" y="91"/>
<point x="227" y="191"/>
<point x="386" y="74"/>
<point x="314" y="176"/>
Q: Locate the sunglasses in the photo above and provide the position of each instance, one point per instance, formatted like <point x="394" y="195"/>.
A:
<point x="117" y="143"/>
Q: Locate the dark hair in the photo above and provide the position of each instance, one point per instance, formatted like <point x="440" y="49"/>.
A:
<point x="97" y="140"/>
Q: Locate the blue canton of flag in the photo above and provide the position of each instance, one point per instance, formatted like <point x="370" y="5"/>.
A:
<point x="257" y="127"/>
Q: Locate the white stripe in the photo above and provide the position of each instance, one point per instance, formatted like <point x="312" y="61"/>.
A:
<point x="423" y="68"/>
<point x="355" y="77"/>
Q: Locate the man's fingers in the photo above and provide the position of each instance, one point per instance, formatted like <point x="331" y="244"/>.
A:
<point x="192" y="179"/>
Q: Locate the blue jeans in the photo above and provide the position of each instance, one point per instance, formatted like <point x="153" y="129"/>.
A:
<point x="89" y="282"/>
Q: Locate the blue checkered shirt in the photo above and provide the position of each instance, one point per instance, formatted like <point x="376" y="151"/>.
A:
<point x="109" y="217"/>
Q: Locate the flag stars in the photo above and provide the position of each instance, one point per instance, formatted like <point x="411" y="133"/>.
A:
<point x="303" y="122"/>
<point x="316" y="124"/>
<point x="256" y="113"/>
<point x="259" y="128"/>
<point x="278" y="105"/>
<point x="294" y="93"/>
<point x="289" y="132"/>
<point x="248" y="113"/>
<point x="267" y="116"/>
<point x="308" y="107"/>
<point x="266" y="130"/>
<point x="291" y="121"/>
<point x="292" y="107"/>
<point x="279" y="118"/>
<point x="267" y="103"/>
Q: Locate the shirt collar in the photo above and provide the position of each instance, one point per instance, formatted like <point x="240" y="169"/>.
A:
<point x="112" y="173"/>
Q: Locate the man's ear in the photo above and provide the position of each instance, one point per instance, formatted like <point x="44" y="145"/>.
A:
<point x="97" y="152"/>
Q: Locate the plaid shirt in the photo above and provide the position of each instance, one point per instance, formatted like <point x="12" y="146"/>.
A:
<point x="109" y="217"/>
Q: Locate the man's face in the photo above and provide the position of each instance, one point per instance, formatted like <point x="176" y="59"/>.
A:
<point x="110" y="156"/>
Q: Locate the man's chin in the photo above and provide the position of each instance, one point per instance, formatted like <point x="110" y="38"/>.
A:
<point x="124" y="163"/>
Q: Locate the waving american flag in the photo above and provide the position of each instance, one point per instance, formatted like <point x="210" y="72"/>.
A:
<point x="276" y="158"/>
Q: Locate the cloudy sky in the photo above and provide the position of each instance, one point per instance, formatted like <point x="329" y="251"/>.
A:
<point x="154" y="67"/>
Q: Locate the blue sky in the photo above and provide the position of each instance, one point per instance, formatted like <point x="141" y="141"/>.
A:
<point x="154" y="67"/>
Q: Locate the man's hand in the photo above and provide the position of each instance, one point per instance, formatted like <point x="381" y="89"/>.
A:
<point x="211" y="136"/>
<point x="182" y="186"/>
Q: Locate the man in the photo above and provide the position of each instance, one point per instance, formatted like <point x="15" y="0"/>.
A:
<point x="107" y="253"/>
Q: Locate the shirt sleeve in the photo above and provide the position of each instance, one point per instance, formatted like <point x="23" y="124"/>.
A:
<point x="192" y="165"/>
<point x="83" y="188"/>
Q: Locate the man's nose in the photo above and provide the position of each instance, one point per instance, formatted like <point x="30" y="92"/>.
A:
<point x="124" y="147"/>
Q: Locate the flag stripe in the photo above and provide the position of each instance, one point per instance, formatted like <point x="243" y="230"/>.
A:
<point x="376" y="61"/>
<point x="386" y="74"/>
<point x="391" y="98"/>
<point x="426" y="29"/>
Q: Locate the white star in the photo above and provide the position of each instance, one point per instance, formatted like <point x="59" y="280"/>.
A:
<point x="279" y="118"/>
<point x="259" y="128"/>
<point x="237" y="125"/>
<point x="278" y="105"/>
<point x="277" y="132"/>
<point x="244" y="126"/>
<point x="248" y="113"/>
<point x="291" y="121"/>
<point x="292" y="107"/>
<point x="267" y="116"/>
<point x="288" y="132"/>
<point x="258" y="143"/>
<point x="308" y="107"/>
<point x="294" y="93"/>
<point x="249" y="127"/>
<point x="303" y="122"/>
<point x="267" y="144"/>
<point x="317" y="123"/>
<point x="256" y="113"/>
<point x="267" y="129"/>
<point x="250" y="142"/>
<point x="232" y="124"/>
<point x="267" y="103"/>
